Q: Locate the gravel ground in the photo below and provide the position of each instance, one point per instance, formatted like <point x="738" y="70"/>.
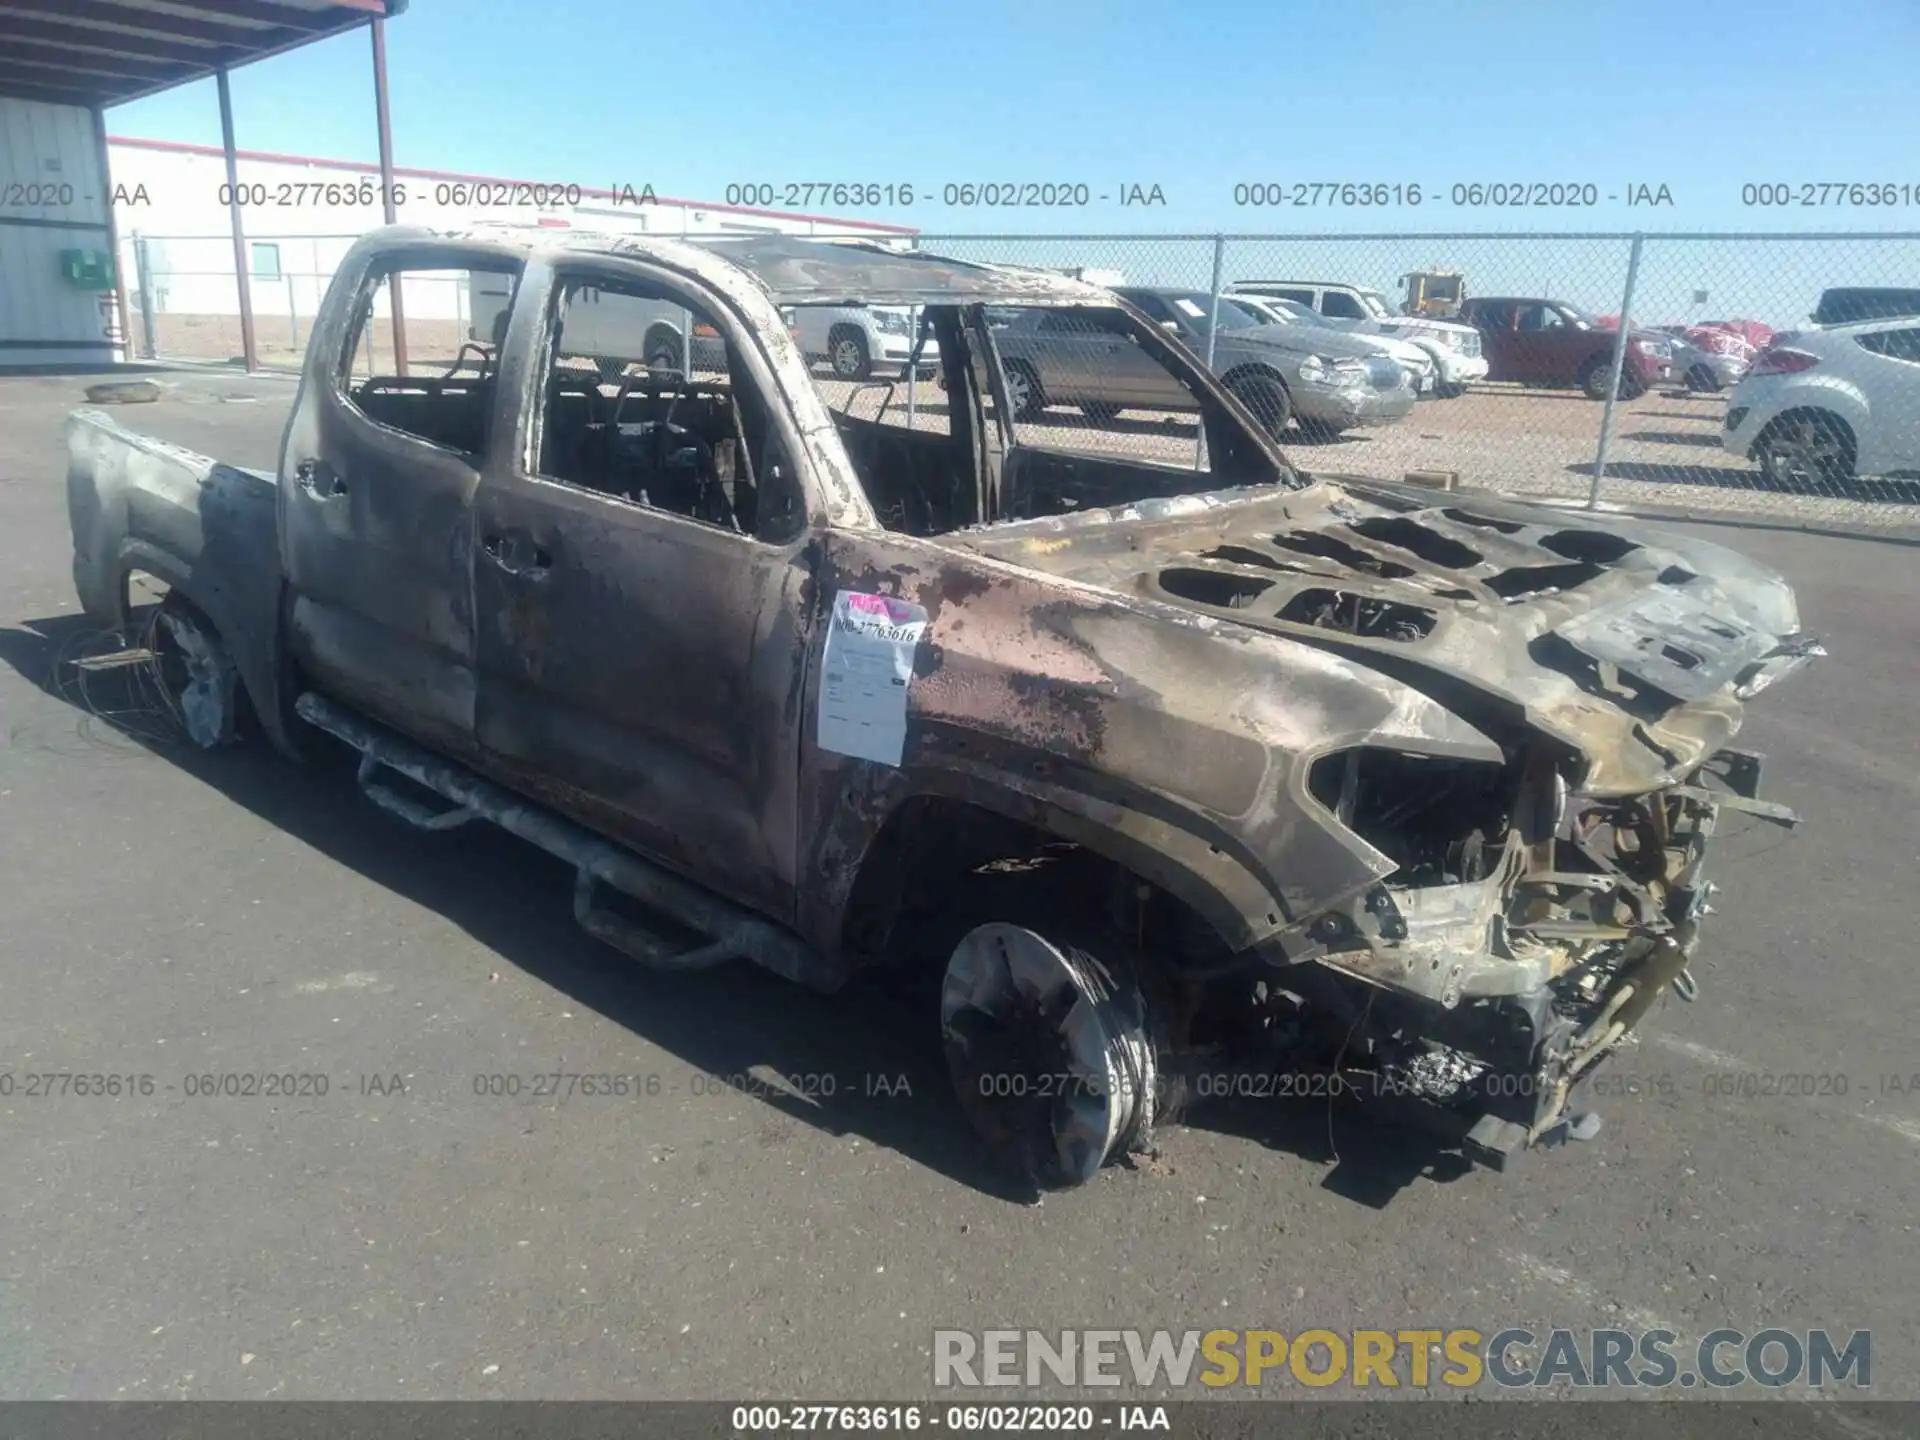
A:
<point x="409" y="1235"/>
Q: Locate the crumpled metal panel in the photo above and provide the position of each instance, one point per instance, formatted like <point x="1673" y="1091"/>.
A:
<point x="1689" y="647"/>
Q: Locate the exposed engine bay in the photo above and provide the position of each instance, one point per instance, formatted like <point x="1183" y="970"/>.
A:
<point x="1542" y="924"/>
<point x="1525" y="888"/>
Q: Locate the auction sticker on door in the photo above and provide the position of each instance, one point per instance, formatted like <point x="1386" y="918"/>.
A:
<point x="866" y="669"/>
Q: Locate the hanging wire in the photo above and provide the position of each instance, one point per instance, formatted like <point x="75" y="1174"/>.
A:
<point x="137" y="701"/>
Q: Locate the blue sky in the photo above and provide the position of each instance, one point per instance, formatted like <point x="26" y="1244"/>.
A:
<point x="1696" y="95"/>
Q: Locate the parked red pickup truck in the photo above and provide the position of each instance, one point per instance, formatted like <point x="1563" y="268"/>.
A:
<point x="1549" y="342"/>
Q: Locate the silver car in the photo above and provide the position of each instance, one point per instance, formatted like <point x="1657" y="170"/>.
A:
<point x="1339" y="340"/>
<point x="1709" y="367"/>
<point x="1059" y="357"/>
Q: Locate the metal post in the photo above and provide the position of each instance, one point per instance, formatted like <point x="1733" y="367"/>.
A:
<point x="1213" y="330"/>
<point x="913" y="360"/>
<point x="143" y="277"/>
<point x="249" y="352"/>
<point x="385" y="122"/>
<point x="113" y="230"/>
<point x="1614" y="366"/>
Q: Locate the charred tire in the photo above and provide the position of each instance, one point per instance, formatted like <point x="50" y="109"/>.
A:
<point x="1048" y="1049"/>
<point x="1804" y="447"/>
<point x="1266" y="396"/>
<point x="847" y="352"/>
<point x="1023" y="390"/>
<point x="1101" y="413"/>
<point x="1448" y="392"/>
<point x="1701" y="380"/>
<point x="197" y="675"/>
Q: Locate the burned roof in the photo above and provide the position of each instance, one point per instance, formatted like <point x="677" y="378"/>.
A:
<point x="797" y="271"/>
<point x="791" y="269"/>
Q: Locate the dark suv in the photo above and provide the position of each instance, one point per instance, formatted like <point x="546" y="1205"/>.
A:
<point x="1549" y="342"/>
<point x="1850" y="304"/>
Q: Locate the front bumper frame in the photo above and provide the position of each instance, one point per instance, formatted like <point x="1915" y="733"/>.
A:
<point x="1476" y="992"/>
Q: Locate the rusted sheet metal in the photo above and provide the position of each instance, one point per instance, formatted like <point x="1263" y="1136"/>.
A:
<point x="204" y="527"/>
<point x="1150" y="731"/>
<point x="1486" y="597"/>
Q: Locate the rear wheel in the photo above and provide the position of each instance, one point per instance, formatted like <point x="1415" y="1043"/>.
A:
<point x="198" y="675"/>
<point x="1023" y="390"/>
<point x="1266" y="397"/>
<point x="1701" y="380"/>
<point x="1806" y="447"/>
<point x="847" y="351"/>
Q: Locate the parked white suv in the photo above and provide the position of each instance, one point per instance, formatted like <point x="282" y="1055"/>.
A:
<point x="1455" y="348"/>
<point x="1829" y="405"/>
<point x="856" y="339"/>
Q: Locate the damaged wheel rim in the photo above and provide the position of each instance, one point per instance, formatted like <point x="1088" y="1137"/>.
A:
<point x="1048" y="1054"/>
<point x="200" y="678"/>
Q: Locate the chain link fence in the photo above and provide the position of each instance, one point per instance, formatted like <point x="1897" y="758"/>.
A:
<point x="1722" y="396"/>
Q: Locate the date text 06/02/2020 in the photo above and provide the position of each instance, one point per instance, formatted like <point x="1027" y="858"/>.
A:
<point x="1469" y="194"/>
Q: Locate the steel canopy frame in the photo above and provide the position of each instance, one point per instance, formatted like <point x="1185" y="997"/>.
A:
<point x="97" y="53"/>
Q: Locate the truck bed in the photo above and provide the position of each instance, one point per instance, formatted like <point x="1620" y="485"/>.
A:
<point x="207" y="529"/>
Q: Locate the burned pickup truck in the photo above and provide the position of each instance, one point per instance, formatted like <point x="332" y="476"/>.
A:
<point x="1157" y="758"/>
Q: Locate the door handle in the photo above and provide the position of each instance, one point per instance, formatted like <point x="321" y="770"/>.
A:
<point x="319" y="479"/>
<point x="515" y="556"/>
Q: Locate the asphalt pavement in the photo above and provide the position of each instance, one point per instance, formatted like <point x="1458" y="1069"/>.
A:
<point x="783" y="1201"/>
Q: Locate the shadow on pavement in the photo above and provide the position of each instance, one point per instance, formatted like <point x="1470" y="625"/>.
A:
<point x="1674" y="437"/>
<point x="865" y="1062"/>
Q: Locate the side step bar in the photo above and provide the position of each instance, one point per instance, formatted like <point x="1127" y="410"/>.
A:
<point x="730" y="931"/>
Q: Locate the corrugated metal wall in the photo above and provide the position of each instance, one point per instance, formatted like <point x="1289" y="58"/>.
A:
<point x="53" y="197"/>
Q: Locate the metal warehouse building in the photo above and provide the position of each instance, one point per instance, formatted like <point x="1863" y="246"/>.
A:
<point x="57" y="303"/>
<point x="215" y="234"/>
<point x="62" y="62"/>
<point x="301" y="214"/>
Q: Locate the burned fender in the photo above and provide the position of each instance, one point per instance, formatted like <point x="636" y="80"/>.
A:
<point x="207" y="529"/>
<point x="1175" y="745"/>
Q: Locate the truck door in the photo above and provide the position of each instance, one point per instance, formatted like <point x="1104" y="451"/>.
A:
<point x="376" y="486"/>
<point x="1080" y="360"/>
<point x="640" y="570"/>
<point x="1494" y="320"/>
<point x="1548" y="348"/>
